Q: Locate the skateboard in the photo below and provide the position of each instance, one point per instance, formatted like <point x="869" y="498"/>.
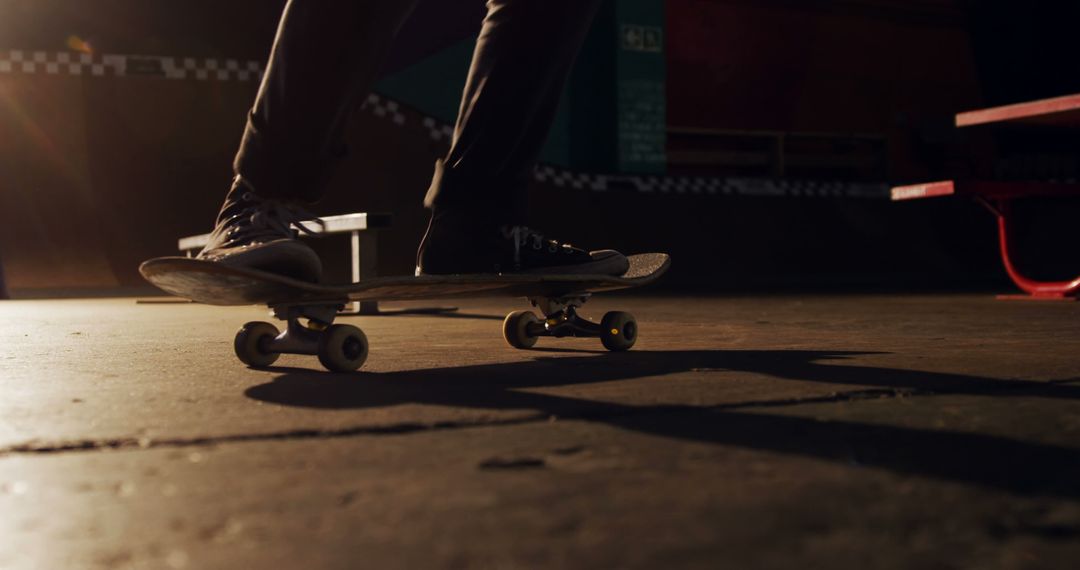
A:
<point x="309" y="309"/>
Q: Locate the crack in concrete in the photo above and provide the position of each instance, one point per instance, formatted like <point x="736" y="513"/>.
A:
<point x="604" y="411"/>
<point x="298" y="434"/>
<point x="833" y="398"/>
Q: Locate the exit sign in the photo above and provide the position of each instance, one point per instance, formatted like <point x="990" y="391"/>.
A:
<point x="648" y="39"/>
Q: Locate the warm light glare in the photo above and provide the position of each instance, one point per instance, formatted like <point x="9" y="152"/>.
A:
<point x="75" y="43"/>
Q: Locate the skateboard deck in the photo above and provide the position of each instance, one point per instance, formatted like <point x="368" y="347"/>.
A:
<point x="216" y="284"/>
<point x="310" y="308"/>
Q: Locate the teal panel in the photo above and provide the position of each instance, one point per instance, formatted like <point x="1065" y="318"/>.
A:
<point x="557" y="148"/>
<point x="433" y="85"/>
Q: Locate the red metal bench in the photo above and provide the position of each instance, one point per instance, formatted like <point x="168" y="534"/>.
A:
<point x="998" y="196"/>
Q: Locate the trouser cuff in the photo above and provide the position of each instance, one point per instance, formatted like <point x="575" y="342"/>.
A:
<point x="495" y="198"/>
<point x="273" y="170"/>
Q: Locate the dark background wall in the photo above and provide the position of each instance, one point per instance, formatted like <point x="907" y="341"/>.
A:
<point x="101" y="172"/>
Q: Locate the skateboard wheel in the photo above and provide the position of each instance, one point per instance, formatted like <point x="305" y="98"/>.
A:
<point x="619" y="331"/>
<point x="251" y="341"/>
<point x="343" y="348"/>
<point x="516" y="329"/>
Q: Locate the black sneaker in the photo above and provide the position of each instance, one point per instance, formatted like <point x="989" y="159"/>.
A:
<point x="453" y="245"/>
<point x="257" y="233"/>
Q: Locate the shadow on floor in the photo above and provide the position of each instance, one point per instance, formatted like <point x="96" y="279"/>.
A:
<point x="444" y="312"/>
<point x="1002" y="463"/>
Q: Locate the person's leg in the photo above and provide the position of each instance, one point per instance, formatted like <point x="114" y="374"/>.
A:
<point x="523" y="57"/>
<point x="325" y="57"/>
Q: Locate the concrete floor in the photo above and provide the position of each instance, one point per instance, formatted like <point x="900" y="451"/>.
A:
<point x="764" y="432"/>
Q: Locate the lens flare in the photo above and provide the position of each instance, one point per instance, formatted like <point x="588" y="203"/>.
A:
<point x="75" y="43"/>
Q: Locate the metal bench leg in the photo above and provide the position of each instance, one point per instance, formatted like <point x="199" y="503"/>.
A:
<point x="363" y="261"/>
<point x="1040" y="290"/>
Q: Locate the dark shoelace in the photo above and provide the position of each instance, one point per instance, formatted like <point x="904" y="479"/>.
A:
<point x="270" y="218"/>
<point x="522" y="236"/>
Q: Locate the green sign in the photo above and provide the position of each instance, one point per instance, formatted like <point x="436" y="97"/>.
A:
<point x="640" y="74"/>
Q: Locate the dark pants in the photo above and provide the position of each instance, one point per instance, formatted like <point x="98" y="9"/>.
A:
<point x="325" y="59"/>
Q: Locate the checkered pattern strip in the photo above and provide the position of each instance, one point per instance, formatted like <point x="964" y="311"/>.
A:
<point x="70" y="63"/>
<point x="384" y="108"/>
<point x="562" y="178"/>
<point x="437" y="130"/>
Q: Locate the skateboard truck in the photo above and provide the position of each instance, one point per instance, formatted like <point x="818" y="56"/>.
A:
<point x="340" y="348"/>
<point x="310" y="329"/>
<point x="561" y="318"/>
<point x="299" y="337"/>
<point x="521" y="329"/>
